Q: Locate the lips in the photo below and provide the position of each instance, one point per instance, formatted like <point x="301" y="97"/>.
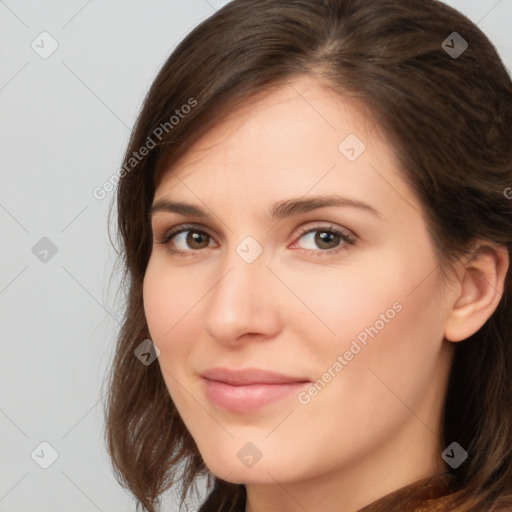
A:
<point x="249" y="376"/>
<point x="248" y="389"/>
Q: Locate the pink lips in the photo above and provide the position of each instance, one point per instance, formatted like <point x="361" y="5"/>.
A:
<point x="248" y="389"/>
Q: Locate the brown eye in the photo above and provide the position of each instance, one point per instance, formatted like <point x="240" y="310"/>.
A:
<point x="324" y="239"/>
<point x="197" y="239"/>
<point x="327" y="239"/>
<point x="187" y="239"/>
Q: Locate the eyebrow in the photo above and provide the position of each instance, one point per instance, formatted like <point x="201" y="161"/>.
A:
<point x="279" y="210"/>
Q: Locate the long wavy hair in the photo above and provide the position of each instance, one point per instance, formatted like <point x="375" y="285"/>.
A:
<point x="449" y="119"/>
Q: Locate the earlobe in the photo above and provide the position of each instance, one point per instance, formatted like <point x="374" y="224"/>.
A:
<point x="478" y="292"/>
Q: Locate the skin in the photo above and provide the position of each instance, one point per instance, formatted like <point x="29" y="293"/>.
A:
<point x="375" y="427"/>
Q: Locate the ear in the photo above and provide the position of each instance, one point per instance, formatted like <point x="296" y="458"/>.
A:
<point x="477" y="292"/>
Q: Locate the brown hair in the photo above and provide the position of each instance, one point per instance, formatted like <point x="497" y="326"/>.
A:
<point x="449" y="119"/>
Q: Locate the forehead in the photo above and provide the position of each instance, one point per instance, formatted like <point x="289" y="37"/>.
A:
<point x="301" y="107"/>
<point x="301" y="136"/>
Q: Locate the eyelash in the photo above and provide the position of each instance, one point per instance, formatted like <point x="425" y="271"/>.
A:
<point x="345" y="240"/>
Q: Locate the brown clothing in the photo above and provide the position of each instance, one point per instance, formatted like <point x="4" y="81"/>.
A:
<point x="427" y="495"/>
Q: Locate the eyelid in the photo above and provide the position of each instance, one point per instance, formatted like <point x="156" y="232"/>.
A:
<point x="180" y="228"/>
<point x="326" y="226"/>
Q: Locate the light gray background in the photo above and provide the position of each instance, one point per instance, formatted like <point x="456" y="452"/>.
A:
<point x="65" y="123"/>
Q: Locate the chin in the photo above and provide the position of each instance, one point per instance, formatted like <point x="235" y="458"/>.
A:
<point x="233" y="469"/>
<point x="244" y="476"/>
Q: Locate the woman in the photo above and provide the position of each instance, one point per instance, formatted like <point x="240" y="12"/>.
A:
<point x="316" y="228"/>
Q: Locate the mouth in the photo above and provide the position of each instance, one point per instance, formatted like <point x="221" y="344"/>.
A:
<point x="248" y="389"/>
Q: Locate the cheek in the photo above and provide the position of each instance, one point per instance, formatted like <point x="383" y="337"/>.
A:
<point x="170" y="297"/>
<point x="333" y="304"/>
<point x="383" y="312"/>
<point x="388" y="324"/>
<point x="169" y="304"/>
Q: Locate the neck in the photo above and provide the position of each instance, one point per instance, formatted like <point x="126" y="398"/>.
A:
<point x="358" y="483"/>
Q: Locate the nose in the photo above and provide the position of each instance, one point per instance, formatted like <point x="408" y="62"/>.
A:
<point x="244" y="303"/>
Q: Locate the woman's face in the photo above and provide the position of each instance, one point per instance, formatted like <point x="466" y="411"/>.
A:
<point x="304" y="253"/>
